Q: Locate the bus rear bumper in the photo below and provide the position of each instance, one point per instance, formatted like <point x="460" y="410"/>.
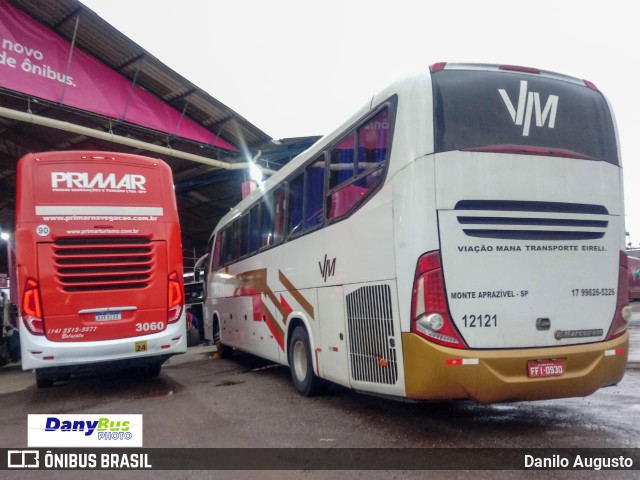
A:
<point x="39" y="352"/>
<point x="487" y="376"/>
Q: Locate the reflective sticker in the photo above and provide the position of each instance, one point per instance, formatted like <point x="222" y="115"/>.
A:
<point x="463" y="361"/>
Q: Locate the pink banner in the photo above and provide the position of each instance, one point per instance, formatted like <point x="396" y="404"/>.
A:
<point x="33" y="60"/>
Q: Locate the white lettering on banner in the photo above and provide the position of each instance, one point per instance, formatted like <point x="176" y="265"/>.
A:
<point x="81" y="180"/>
<point x="528" y="104"/>
<point x="22" y="49"/>
<point x="28" y="59"/>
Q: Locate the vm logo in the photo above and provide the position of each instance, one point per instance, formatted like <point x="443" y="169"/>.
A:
<point x="529" y="104"/>
<point x="327" y="267"/>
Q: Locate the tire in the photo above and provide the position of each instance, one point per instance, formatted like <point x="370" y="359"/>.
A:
<point x="43" y="380"/>
<point x="153" y="370"/>
<point x="301" y="365"/>
<point x="224" y="351"/>
<point x="4" y="355"/>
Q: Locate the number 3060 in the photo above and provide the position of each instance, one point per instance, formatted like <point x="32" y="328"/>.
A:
<point x="150" y="327"/>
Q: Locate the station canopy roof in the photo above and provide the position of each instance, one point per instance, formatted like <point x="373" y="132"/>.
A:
<point x="161" y="114"/>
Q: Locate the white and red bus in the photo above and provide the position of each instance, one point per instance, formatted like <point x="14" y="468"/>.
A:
<point x="99" y="263"/>
<point x="461" y="236"/>
<point x="634" y="278"/>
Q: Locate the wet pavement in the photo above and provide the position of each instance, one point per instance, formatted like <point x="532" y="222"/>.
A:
<point x="199" y="401"/>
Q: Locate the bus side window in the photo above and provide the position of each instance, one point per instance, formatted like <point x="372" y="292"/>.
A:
<point x="236" y="241"/>
<point x="217" y="250"/>
<point x="266" y="221"/>
<point x="314" y="195"/>
<point x="373" y="139"/>
<point x="295" y="204"/>
<point x="373" y="148"/>
<point x="227" y="245"/>
<point x="243" y="235"/>
<point x="278" y="227"/>
<point x="344" y="200"/>
<point x="254" y="232"/>
<point x="341" y="161"/>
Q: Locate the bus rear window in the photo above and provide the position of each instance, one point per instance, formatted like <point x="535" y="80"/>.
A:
<point x="520" y="113"/>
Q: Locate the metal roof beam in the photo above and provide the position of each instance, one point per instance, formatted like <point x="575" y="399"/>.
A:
<point x="110" y="137"/>
<point x="67" y="18"/>
<point x="135" y="59"/>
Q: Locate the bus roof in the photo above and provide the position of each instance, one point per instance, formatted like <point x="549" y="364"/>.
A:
<point x="376" y="99"/>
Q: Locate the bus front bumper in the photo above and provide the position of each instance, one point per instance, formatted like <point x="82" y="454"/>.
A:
<point x="487" y="376"/>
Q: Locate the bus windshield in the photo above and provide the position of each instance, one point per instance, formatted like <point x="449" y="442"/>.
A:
<point x="513" y="112"/>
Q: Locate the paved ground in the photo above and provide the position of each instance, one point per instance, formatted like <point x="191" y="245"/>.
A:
<point x="244" y="402"/>
<point x="200" y="401"/>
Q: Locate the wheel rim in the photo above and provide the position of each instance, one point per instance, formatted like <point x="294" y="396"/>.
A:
<point x="300" y="360"/>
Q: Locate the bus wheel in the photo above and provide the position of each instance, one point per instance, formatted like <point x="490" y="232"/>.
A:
<point x="224" y="351"/>
<point x="301" y="365"/>
<point x="153" y="370"/>
<point x="43" y="380"/>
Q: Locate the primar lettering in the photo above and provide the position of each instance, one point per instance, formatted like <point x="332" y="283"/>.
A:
<point x="99" y="180"/>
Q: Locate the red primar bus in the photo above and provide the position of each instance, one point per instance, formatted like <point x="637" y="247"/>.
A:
<point x="99" y="263"/>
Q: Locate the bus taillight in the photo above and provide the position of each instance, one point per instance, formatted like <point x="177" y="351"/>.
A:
<point x="32" y="308"/>
<point x="176" y="299"/>
<point x="591" y="85"/>
<point x="430" y="317"/>
<point x="623" y="310"/>
<point x="437" y="67"/>
<point x="519" y="68"/>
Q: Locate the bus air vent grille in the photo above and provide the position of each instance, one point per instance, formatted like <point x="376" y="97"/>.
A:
<point x="523" y="220"/>
<point x="103" y="263"/>
<point x="372" y="350"/>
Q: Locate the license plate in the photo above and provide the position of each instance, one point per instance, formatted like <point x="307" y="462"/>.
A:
<point x="140" y="346"/>
<point x="545" y="368"/>
<point x="107" y="316"/>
